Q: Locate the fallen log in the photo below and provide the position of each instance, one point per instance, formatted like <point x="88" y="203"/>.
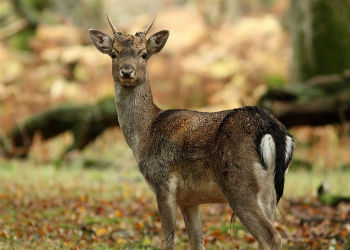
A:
<point x="319" y="101"/>
<point x="85" y="122"/>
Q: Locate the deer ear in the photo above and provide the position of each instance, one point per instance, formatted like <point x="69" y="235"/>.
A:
<point x="157" y="41"/>
<point x="102" y="41"/>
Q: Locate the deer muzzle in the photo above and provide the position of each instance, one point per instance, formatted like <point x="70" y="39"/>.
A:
<point x="127" y="72"/>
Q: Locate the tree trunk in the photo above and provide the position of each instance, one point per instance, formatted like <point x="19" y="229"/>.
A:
<point x="320" y="37"/>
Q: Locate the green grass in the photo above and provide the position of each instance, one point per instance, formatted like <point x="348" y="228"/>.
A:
<point x="299" y="183"/>
<point x="303" y="184"/>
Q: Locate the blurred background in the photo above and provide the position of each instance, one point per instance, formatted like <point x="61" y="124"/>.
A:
<point x="68" y="179"/>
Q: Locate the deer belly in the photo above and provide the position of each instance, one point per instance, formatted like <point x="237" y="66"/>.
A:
<point x="199" y="193"/>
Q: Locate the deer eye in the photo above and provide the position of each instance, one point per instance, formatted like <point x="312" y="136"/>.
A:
<point x="113" y="55"/>
<point x="144" y="55"/>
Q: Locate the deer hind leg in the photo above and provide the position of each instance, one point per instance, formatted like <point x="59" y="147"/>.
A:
<point x="252" y="197"/>
<point x="192" y="219"/>
<point x="254" y="219"/>
<point x="242" y="192"/>
<point x="266" y="195"/>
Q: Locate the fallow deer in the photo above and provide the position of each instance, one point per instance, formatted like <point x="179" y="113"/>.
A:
<point x="189" y="158"/>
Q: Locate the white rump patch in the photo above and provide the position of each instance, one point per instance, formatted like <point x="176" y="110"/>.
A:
<point x="289" y="151"/>
<point x="268" y="150"/>
<point x="289" y="147"/>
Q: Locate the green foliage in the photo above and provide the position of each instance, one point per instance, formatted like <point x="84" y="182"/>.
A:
<point x="275" y="81"/>
<point x="21" y="39"/>
<point x="332" y="200"/>
<point x="301" y="183"/>
<point x="301" y="164"/>
<point x="31" y="10"/>
<point x="96" y="163"/>
<point x="36" y="4"/>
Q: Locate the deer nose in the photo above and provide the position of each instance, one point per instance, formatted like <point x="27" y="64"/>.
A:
<point x="127" y="71"/>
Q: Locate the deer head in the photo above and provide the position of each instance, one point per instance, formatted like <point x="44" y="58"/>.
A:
<point x="129" y="53"/>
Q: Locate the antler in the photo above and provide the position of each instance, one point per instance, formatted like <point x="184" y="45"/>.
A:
<point x="149" y="26"/>
<point x="115" y="31"/>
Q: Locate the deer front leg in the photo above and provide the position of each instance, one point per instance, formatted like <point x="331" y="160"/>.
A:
<point x="192" y="217"/>
<point x="167" y="210"/>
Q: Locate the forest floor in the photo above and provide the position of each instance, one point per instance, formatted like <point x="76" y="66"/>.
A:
<point x="81" y="206"/>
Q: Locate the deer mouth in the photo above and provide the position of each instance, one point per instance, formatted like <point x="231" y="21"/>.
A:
<point x="128" y="82"/>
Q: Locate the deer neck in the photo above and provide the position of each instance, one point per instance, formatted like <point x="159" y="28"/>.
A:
<point x="136" y="111"/>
